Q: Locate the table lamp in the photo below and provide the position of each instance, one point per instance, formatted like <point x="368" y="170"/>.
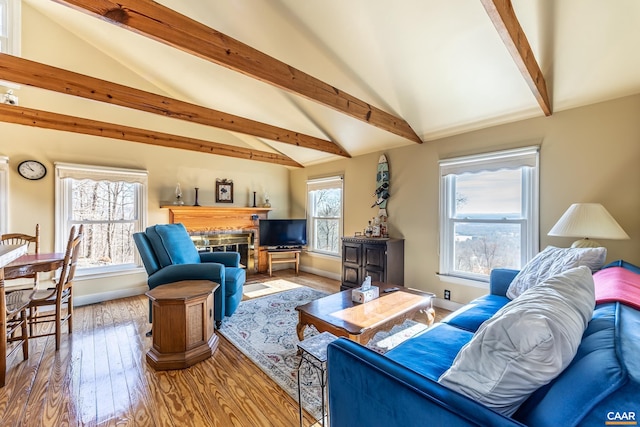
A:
<point x="587" y="221"/>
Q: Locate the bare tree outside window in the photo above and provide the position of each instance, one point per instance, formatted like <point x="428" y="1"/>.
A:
<point x="108" y="211"/>
<point x="325" y="215"/>
<point x="326" y="225"/>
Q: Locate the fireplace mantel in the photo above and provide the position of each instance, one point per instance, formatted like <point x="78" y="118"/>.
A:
<point x="214" y="218"/>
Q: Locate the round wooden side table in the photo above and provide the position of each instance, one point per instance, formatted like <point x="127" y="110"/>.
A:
<point x="182" y="324"/>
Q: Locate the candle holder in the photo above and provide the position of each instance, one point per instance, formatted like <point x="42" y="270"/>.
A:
<point x="196" y="203"/>
<point x="178" y="200"/>
<point x="254" y="200"/>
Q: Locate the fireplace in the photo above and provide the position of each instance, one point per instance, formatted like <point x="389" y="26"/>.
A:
<point x="224" y="229"/>
<point x="242" y="242"/>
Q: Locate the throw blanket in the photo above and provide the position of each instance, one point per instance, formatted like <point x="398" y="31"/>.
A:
<point x="617" y="284"/>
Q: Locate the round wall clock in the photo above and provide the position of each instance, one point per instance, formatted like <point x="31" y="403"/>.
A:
<point x="32" y="169"/>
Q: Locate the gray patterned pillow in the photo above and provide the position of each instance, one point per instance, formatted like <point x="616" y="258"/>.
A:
<point x="552" y="261"/>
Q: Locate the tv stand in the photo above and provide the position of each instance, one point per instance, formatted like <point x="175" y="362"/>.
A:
<point x="284" y="256"/>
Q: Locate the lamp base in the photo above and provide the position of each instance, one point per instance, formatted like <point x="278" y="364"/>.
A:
<point x="586" y="243"/>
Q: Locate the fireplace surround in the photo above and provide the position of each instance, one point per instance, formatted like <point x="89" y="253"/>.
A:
<point x="229" y="228"/>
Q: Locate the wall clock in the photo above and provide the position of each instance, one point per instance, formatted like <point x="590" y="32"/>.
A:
<point x="32" y="169"/>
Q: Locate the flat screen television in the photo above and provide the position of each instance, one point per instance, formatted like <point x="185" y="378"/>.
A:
<point x="283" y="233"/>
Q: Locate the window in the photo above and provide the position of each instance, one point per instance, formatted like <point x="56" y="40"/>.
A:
<point x="488" y="212"/>
<point x="4" y="194"/>
<point x="325" y="215"/>
<point x="10" y="26"/>
<point x="111" y="203"/>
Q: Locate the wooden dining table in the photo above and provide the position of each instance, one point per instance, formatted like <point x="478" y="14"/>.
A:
<point x="29" y="264"/>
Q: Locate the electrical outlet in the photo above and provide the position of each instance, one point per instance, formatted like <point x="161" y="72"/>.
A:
<point x="447" y="294"/>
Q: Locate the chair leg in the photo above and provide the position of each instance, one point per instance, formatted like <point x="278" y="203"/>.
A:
<point x="58" y="326"/>
<point x="70" y="311"/>
<point x="3" y="352"/>
<point x="25" y="335"/>
<point x="33" y="313"/>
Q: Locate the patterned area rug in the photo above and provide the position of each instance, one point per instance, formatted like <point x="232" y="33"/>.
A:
<point x="264" y="329"/>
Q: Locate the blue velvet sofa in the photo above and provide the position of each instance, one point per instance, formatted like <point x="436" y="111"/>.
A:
<point x="169" y="255"/>
<point x="601" y="385"/>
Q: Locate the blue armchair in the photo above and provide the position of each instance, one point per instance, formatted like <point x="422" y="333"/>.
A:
<point x="169" y="255"/>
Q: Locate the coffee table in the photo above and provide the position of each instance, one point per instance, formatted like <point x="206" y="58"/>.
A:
<point x="342" y="317"/>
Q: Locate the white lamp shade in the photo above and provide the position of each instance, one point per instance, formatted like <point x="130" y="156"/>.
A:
<point x="588" y="220"/>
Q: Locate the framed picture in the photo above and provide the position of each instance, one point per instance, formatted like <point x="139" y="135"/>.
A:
<point x="224" y="191"/>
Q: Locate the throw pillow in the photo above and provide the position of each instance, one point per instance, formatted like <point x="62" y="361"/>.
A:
<point x="178" y="244"/>
<point x="552" y="261"/>
<point x="526" y="344"/>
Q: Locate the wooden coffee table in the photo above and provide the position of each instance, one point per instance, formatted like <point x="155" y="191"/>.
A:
<point x="342" y="317"/>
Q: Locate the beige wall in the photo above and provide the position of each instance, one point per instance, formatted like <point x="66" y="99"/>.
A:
<point x="32" y="202"/>
<point x="587" y="154"/>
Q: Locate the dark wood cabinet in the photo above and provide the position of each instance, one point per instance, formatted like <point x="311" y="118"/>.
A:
<point x="380" y="258"/>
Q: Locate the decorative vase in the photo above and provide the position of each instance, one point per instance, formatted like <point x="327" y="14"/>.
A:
<point x="196" y="203"/>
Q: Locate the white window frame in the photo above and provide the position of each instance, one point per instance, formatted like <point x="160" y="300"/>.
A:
<point x="328" y="182"/>
<point x="12" y="20"/>
<point x="4" y="194"/>
<point x="63" y="222"/>
<point x="527" y="157"/>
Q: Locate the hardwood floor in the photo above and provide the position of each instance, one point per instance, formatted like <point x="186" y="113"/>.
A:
<point x="99" y="377"/>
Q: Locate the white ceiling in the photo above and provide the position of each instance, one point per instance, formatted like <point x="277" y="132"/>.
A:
<point x="438" y="64"/>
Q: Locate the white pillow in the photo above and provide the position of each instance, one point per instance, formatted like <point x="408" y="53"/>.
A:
<point x="552" y="261"/>
<point x="526" y="344"/>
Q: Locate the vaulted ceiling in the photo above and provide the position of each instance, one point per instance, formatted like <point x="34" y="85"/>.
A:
<point x="301" y="82"/>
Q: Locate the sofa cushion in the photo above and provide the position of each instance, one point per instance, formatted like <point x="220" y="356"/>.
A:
<point x="431" y="352"/>
<point x="472" y="315"/>
<point x="596" y="371"/>
<point x="178" y="244"/>
<point x="552" y="261"/>
<point x="526" y="344"/>
<point x="158" y="247"/>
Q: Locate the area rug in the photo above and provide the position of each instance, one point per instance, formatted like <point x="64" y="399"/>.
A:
<point x="264" y="329"/>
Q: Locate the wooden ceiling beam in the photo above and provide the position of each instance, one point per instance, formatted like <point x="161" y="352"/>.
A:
<point x="48" y="120"/>
<point x="504" y="19"/>
<point x="44" y="76"/>
<point x="167" y="26"/>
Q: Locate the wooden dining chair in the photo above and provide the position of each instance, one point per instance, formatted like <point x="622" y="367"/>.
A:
<point x="60" y="296"/>
<point x="13" y="308"/>
<point x="22" y="239"/>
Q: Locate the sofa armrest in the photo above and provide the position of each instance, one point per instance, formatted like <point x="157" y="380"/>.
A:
<point x="368" y="389"/>
<point x="500" y="279"/>
<point x="178" y="272"/>
<point x="228" y="259"/>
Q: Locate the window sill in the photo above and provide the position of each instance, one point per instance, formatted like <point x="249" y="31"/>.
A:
<point x="482" y="284"/>
<point x="91" y="275"/>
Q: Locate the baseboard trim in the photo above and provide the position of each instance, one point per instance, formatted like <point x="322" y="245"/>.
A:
<point x="447" y="304"/>
<point x="322" y="273"/>
<point x="108" y="296"/>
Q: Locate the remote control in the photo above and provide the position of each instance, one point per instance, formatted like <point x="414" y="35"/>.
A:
<point x="390" y="290"/>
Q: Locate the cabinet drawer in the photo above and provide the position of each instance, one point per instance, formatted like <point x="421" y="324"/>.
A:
<point x="377" y="275"/>
<point x="374" y="256"/>
<point x="351" y="275"/>
<point x="352" y="253"/>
